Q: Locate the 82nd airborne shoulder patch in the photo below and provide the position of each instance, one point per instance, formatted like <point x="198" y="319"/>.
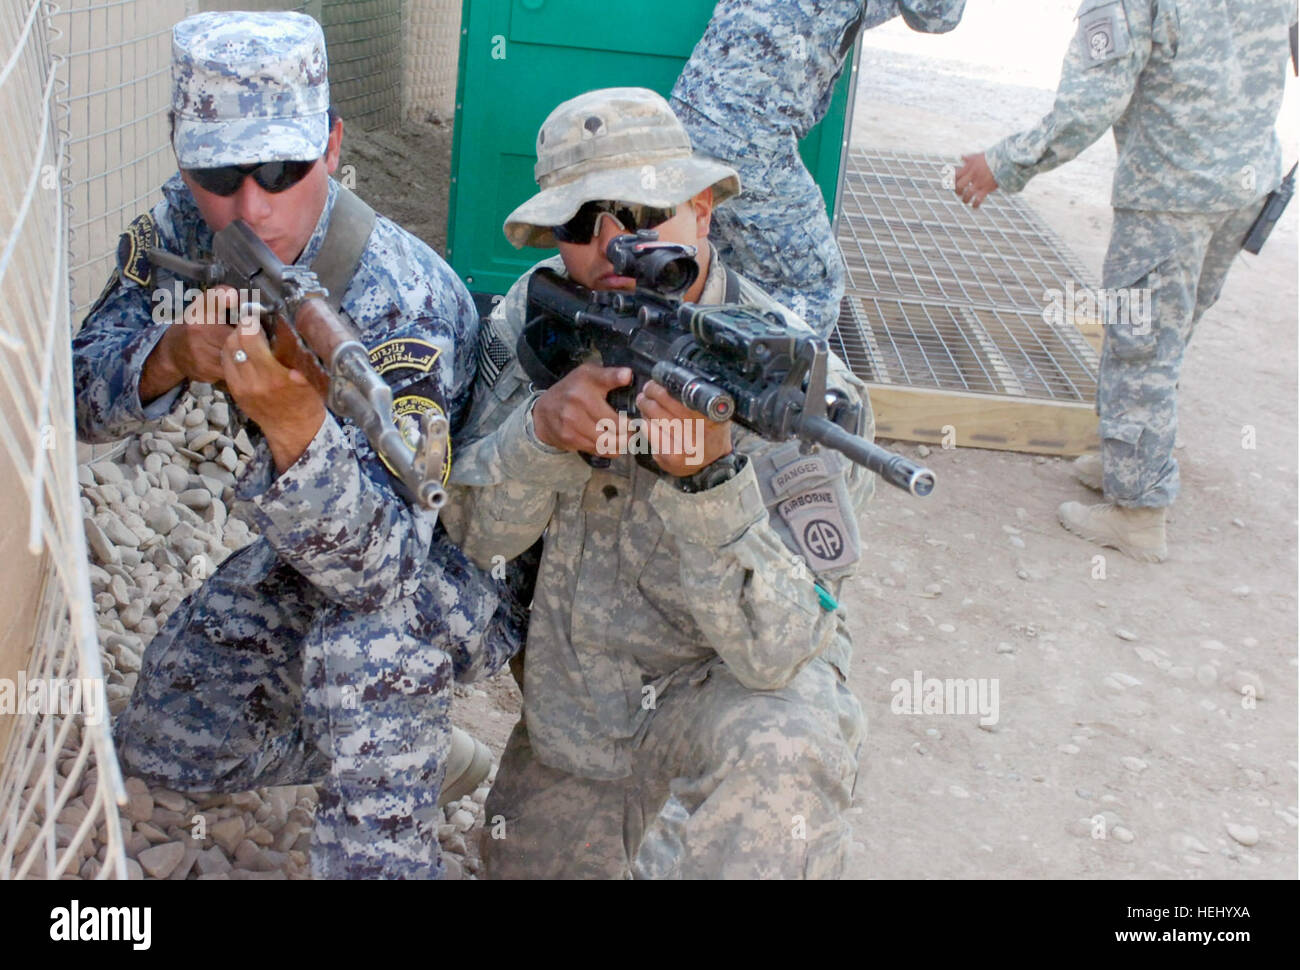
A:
<point x="1103" y="31"/>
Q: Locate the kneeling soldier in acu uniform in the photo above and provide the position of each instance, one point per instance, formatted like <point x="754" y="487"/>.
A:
<point x="685" y="707"/>
<point x="325" y="651"/>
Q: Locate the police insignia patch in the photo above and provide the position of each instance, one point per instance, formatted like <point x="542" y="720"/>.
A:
<point x="404" y="354"/>
<point x="132" y="256"/>
<point x="408" y="414"/>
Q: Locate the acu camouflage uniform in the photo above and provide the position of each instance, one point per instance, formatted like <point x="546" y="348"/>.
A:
<point x="757" y="82"/>
<point x="685" y="706"/>
<point x="1192" y="90"/>
<point x="324" y="651"/>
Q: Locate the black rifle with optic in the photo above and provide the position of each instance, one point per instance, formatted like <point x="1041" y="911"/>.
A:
<point x="728" y="362"/>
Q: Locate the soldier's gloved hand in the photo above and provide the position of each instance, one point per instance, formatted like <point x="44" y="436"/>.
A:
<point x="709" y="440"/>
<point x="191" y="348"/>
<point x="567" y="416"/>
<point x="286" y="407"/>
<point x="974" y="180"/>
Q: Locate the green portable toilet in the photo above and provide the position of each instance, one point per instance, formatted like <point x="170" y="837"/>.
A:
<point x="521" y="58"/>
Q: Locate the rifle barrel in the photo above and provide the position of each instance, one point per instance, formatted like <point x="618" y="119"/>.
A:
<point x="895" y="469"/>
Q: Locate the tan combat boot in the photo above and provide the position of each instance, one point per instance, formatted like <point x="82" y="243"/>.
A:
<point x="1139" y="533"/>
<point x="1087" y="469"/>
<point x="467" y="765"/>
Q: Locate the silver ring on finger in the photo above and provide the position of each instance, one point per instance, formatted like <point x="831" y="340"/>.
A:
<point x="239" y="356"/>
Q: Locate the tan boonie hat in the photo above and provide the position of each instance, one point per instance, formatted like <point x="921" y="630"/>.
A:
<point x="623" y="144"/>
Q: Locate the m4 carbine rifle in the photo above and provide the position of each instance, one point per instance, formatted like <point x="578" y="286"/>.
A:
<point x="306" y="334"/>
<point x="728" y="362"/>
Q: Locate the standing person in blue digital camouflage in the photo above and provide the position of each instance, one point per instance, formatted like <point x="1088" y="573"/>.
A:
<point x="758" y="81"/>
<point x="325" y="651"/>
<point x="1192" y="90"/>
<point x="685" y="706"/>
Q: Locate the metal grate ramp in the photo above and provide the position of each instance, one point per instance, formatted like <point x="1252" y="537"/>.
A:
<point x="944" y="312"/>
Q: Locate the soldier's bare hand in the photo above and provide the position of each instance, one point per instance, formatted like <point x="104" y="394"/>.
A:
<point x="974" y="180"/>
<point x="681" y="449"/>
<point x="286" y="407"/>
<point x="567" y="415"/>
<point x="192" y="345"/>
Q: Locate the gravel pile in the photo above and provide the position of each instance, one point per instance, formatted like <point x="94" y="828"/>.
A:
<point x="158" y="522"/>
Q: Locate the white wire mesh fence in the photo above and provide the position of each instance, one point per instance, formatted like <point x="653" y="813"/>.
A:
<point x="59" y="781"/>
<point x="84" y="95"/>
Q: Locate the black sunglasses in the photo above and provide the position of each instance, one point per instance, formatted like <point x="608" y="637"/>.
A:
<point x="272" y="176"/>
<point x="631" y="215"/>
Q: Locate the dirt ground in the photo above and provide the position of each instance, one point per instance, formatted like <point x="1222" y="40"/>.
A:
<point x="1160" y="697"/>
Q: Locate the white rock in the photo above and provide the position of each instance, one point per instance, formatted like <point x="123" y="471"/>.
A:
<point x="462" y="819"/>
<point x="1135" y="765"/>
<point x="1006" y="648"/>
<point x="1120" y="834"/>
<point x="106" y="472"/>
<point x="219" y="414"/>
<point x="195" y="498"/>
<point x="1125" y="634"/>
<point x="195" y="418"/>
<point x="1068" y="748"/>
<point x="161" y="860"/>
<point x="1245" y="834"/>
<point x="1246" y="683"/>
<point x="178" y="479"/>
<point x="170" y="800"/>
<point x="1126" y="679"/>
<point x="228" y="833"/>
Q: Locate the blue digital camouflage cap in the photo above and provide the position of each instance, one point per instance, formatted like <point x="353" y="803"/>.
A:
<point x="249" y="87"/>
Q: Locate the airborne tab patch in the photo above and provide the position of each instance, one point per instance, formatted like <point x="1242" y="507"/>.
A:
<point x="132" y="250"/>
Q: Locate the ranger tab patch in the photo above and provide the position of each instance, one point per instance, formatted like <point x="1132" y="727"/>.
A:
<point x="794" y="475"/>
<point x="132" y="250"/>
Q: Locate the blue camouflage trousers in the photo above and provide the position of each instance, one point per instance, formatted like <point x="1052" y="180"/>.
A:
<point x="727" y="783"/>
<point x="776" y="232"/>
<point x="258" y="679"/>
<point x="1162" y="271"/>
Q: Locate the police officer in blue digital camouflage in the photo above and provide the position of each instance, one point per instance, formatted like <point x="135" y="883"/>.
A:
<point x="325" y="651"/>
<point x="757" y="82"/>
<point x="1192" y="91"/>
